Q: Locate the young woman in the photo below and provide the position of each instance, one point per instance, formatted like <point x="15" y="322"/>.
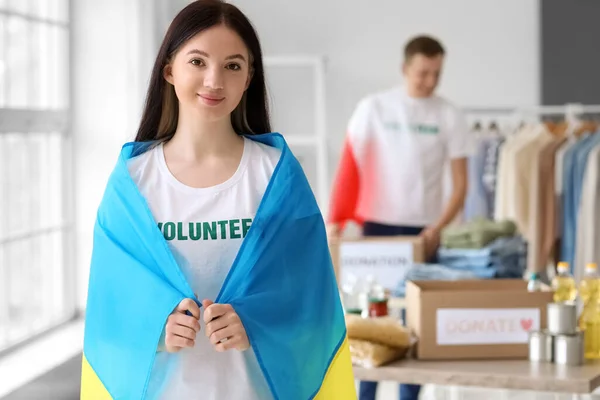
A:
<point x="234" y="296"/>
<point x="206" y="90"/>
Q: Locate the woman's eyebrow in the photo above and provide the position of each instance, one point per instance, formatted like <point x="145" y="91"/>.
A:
<point x="205" y="54"/>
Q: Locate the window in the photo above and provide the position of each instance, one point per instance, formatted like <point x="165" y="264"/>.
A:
<point x="36" y="292"/>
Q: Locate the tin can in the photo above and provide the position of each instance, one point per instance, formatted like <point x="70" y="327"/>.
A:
<point x="541" y="346"/>
<point x="569" y="349"/>
<point x="562" y="318"/>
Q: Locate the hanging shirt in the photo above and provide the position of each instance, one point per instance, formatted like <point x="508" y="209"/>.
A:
<point x="569" y="219"/>
<point x="490" y="172"/>
<point x="594" y="195"/>
<point x="204" y="229"/>
<point x="536" y="210"/>
<point x="573" y="198"/>
<point x="476" y="204"/>
<point x="559" y="159"/>
<point x="592" y="249"/>
<point x="559" y="163"/>
<point x="394" y="158"/>
<point x="505" y="185"/>
<point x="588" y="226"/>
<point x="518" y="193"/>
<point x="547" y="206"/>
<point x="573" y="171"/>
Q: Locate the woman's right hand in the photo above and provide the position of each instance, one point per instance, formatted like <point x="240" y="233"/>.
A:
<point x="181" y="329"/>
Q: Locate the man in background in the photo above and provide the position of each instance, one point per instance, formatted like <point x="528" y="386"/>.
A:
<point x="390" y="177"/>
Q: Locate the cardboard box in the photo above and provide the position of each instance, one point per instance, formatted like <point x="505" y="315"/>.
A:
<point x="474" y="319"/>
<point x="386" y="258"/>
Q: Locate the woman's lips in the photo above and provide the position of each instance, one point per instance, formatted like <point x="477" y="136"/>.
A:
<point x="211" y="100"/>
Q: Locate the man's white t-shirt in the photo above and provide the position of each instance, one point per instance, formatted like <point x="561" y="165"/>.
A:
<point x="204" y="229"/>
<point x="402" y="146"/>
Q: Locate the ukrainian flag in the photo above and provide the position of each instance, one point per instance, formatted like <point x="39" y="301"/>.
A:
<point x="282" y="286"/>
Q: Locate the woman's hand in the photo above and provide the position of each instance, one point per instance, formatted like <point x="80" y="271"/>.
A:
<point x="224" y="327"/>
<point x="181" y="329"/>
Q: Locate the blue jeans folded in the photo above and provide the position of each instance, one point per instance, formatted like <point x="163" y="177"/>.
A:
<point x="512" y="261"/>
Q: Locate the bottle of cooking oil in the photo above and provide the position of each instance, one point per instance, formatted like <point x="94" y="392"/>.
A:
<point x="589" y="321"/>
<point x="563" y="284"/>
<point x="534" y="284"/>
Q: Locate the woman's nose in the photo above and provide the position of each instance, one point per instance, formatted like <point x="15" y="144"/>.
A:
<point x="214" y="78"/>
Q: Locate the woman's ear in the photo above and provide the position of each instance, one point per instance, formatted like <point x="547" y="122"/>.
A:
<point x="168" y="73"/>
<point x="250" y="75"/>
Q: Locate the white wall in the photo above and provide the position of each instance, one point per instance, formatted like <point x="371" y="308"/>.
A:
<point x="493" y="61"/>
<point x="112" y="54"/>
<point x="493" y="46"/>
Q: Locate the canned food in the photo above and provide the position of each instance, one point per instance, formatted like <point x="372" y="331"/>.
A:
<point x="562" y="318"/>
<point x="541" y="346"/>
<point x="569" y="349"/>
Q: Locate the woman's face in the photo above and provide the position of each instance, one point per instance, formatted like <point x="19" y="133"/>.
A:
<point x="210" y="73"/>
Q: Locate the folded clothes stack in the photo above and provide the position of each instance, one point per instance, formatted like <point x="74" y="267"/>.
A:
<point x="476" y="234"/>
<point x="505" y="257"/>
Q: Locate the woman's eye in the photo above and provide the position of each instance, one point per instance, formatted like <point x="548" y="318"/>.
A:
<point x="234" y="67"/>
<point x="197" y="62"/>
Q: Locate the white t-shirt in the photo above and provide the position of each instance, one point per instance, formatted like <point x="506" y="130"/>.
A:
<point x="204" y="229"/>
<point x="402" y="146"/>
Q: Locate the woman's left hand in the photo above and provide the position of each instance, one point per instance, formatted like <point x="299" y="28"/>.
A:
<point x="224" y="327"/>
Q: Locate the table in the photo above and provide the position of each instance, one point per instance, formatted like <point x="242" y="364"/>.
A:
<point x="496" y="374"/>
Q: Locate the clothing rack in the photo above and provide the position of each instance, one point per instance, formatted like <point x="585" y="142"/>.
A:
<point x="571" y="110"/>
<point x="511" y="116"/>
<point x="484" y="199"/>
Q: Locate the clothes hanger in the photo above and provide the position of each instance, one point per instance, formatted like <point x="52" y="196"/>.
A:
<point x="503" y="128"/>
<point x="574" y="124"/>
<point x="549" y="124"/>
<point x="561" y="129"/>
<point x="585" y="127"/>
<point x="596" y="122"/>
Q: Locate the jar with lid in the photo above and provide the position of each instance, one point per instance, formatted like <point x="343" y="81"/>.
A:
<point x="378" y="307"/>
<point x="378" y="302"/>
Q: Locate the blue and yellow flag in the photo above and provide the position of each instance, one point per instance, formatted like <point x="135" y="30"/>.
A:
<point x="281" y="284"/>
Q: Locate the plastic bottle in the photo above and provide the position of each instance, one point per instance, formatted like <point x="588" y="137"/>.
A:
<point x="351" y="296"/>
<point x="563" y="284"/>
<point x="534" y="285"/>
<point x="367" y="285"/>
<point x="589" y="321"/>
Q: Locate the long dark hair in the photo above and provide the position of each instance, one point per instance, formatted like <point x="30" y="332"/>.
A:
<point x="161" y="111"/>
